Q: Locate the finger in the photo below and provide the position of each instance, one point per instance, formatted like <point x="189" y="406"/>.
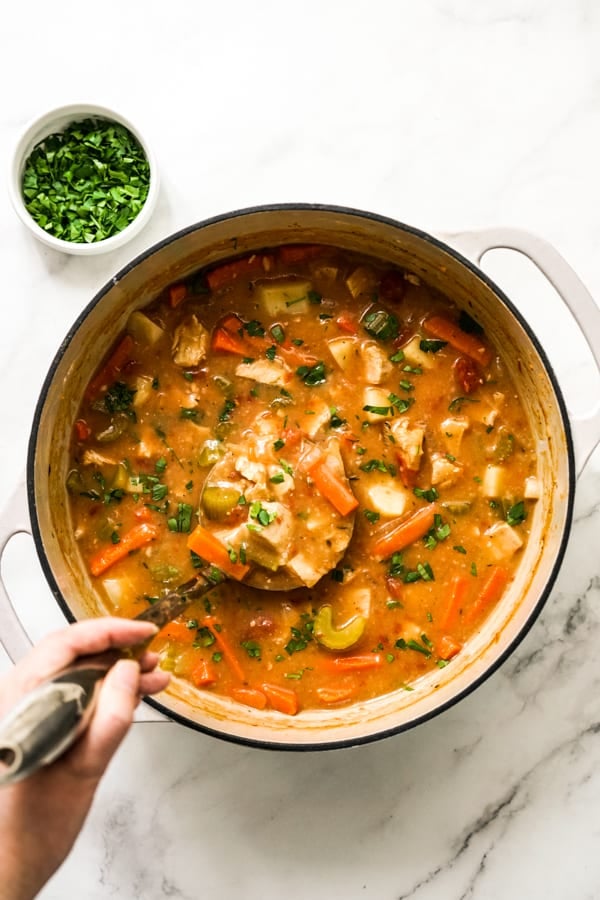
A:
<point x="61" y="648"/>
<point x="117" y="700"/>
<point x="148" y="661"/>
<point x="154" y="682"/>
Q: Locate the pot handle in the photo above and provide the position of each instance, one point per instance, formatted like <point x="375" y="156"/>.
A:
<point x="571" y="290"/>
<point x="14" y="519"/>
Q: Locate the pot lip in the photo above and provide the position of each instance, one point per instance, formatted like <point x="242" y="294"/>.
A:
<point x="378" y="734"/>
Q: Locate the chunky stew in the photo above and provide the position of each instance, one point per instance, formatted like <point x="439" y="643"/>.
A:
<point x="339" y="442"/>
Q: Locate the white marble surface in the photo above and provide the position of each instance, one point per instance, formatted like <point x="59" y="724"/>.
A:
<point x="447" y="114"/>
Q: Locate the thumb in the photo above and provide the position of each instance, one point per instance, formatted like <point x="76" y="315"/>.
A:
<point x="117" y="700"/>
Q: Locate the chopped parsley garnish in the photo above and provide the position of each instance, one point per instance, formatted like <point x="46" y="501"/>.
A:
<point x="378" y="465"/>
<point x="312" y="375"/>
<point x="516" y="514"/>
<point x="252" y="649"/>
<point x="335" y="420"/>
<point x="302" y="635"/>
<point x="87" y="182"/>
<point x="278" y="444"/>
<point x="377" y="410"/>
<point x="439" y="532"/>
<point x="401" y="644"/>
<point x="254" y="328"/>
<point x="431" y="346"/>
<point x="398" y="356"/>
<point x="429" y="494"/>
<point x="371" y="515"/>
<point x="406" y="385"/>
<point x="278" y="478"/>
<point x="271" y="352"/>
<point x="400" y="404"/>
<point x="160" y="465"/>
<point x="119" y="398"/>
<point x="228" y="408"/>
<point x="182" y="522"/>
<point x="459" y="549"/>
<point x="261" y="514"/>
<point x="413" y="370"/>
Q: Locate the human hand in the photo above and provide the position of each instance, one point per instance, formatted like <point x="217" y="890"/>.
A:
<point x="41" y="816"/>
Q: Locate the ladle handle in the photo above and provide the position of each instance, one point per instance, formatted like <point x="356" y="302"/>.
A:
<point x="571" y="290"/>
<point x="14" y="520"/>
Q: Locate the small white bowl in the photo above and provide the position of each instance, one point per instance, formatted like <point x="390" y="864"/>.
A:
<point x="56" y="121"/>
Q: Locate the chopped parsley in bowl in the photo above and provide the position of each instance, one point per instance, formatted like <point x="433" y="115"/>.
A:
<point x="83" y="180"/>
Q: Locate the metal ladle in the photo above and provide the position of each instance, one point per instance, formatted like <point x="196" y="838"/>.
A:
<point x="49" y="719"/>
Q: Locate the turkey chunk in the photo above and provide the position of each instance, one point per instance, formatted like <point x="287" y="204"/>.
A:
<point x="408" y="443"/>
<point x="376" y="363"/>
<point x="190" y="343"/>
<point x="264" y="371"/>
<point x="443" y="472"/>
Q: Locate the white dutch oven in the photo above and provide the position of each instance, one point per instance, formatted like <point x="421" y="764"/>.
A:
<point x="561" y="455"/>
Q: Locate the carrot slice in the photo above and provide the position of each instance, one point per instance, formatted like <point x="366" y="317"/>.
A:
<point x="247" y="267"/>
<point x="447" y="647"/>
<point x="177" y="293"/>
<point x="111" y="367"/>
<point x="406" y="532"/>
<point x="203" y="674"/>
<point x="132" y="540"/>
<point x="250" y="697"/>
<point x="458" y="591"/>
<point x="492" y="590"/>
<point x="284" y="700"/>
<point x="294" y="253"/>
<point x="468" y="344"/>
<point x="354" y="663"/>
<point x="332" y="487"/>
<point x="224" y="341"/>
<point x="335" y="694"/>
<point x="224" y="645"/>
<point x="210" y="548"/>
<point x="143" y="514"/>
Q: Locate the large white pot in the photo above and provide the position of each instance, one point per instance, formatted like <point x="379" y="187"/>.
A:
<point x="442" y="267"/>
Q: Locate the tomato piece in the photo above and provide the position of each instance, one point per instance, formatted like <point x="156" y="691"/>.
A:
<point x="467" y="375"/>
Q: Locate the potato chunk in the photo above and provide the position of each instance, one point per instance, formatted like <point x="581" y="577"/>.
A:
<point x="343" y="350"/>
<point x="502" y="541"/>
<point x="279" y="296"/>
